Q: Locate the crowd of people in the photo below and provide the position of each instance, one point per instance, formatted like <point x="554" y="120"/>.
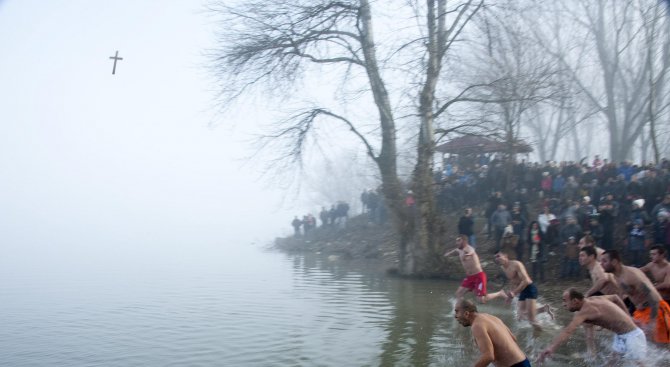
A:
<point x="622" y="299"/>
<point x="592" y="217"/>
<point x="335" y="217"/>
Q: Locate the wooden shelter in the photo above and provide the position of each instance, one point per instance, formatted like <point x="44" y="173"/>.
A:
<point x="471" y="144"/>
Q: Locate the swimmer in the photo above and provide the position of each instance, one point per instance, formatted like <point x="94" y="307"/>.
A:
<point x="494" y="339"/>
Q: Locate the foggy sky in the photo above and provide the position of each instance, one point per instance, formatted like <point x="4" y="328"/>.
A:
<point x="90" y="160"/>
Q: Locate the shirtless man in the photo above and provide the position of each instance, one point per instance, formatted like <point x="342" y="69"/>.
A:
<point x="475" y="281"/>
<point x="659" y="268"/>
<point x="587" y="241"/>
<point x="495" y="341"/>
<point x="603" y="283"/>
<point x="608" y="312"/>
<point x="652" y="312"/>
<point x="523" y="286"/>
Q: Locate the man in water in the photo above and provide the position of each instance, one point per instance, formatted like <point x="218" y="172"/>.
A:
<point x="652" y="312"/>
<point x="523" y="287"/>
<point x="475" y="280"/>
<point x="659" y="268"/>
<point x="608" y="312"/>
<point x="493" y="338"/>
<point x="603" y="283"/>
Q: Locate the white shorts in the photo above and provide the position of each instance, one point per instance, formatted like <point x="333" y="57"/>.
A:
<point x="633" y="345"/>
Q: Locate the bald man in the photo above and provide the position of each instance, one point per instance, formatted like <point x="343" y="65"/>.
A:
<point x="494" y="339"/>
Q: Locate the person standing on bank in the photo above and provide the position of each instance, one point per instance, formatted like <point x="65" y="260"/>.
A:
<point x="494" y="339"/>
<point x="466" y="226"/>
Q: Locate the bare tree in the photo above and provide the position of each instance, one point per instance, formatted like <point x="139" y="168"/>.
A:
<point x="277" y="44"/>
<point x="617" y="36"/>
<point x="657" y="37"/>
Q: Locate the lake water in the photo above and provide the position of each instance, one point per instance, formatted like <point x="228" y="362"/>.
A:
<point x="217" y="306"/>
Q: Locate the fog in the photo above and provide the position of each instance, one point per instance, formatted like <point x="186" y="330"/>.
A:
<point x="94" y="164"/>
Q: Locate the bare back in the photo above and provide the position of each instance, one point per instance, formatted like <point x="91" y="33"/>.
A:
<point x="601" y="311"/>
<point x="490" y="331"/>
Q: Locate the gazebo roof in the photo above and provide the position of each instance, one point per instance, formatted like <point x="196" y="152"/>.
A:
<point x="471" y="144"/>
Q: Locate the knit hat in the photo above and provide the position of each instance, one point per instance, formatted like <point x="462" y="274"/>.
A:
<point x="639" y="203"/>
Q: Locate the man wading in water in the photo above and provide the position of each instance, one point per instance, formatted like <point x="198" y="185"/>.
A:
<point x="522" y="286"/>
<point x="608" y="312"/>
<point x="476" y="278"/>
<point x="493" y="338"/>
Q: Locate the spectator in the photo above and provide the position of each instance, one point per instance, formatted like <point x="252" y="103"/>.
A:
<point x="536" y="254"/>
<point x="570" y="261"/>
<point x="466" y="226"/>
<point x="636" y="244"/>
<point x="500" y="219"/>
<point x="296" y="223"/>
<point x="544" y="219"/>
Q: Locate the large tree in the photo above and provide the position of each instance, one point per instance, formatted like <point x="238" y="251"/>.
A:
<point x="387" y="59"/>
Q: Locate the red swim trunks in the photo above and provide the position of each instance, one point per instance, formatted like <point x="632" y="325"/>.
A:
<point x="476" y="283"/>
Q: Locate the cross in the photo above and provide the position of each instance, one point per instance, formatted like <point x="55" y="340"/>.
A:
<point x="115" y="58"/>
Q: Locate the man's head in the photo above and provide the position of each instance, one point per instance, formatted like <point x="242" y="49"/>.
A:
<point x="468" y="211"/>
<point x="573" y="299"/>
<point x="501" y="258"/>
<point x="657" y="254"/>
<point x="461" y="241"/>
<point x="465" y="312"/>
<point x="587" y="255"/>
<point x="610" y="260"/>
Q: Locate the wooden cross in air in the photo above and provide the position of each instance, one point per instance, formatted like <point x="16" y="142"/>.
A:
<point x="115" y="58"/>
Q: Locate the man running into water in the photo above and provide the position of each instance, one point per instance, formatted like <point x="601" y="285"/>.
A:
<point x="493" y="338"/>
<point x="523" y="286"/>
<point x="603" y="283"/>
<point x="608" y="312"/>
<point x="652" y="312"/>
<point x="475" y="281"/>
<point x="659" y="268"/>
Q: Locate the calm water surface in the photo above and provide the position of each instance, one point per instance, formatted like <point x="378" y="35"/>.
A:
<point x="222" y="306"/>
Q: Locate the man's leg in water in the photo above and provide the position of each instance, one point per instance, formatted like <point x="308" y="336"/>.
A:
<point x="492" y="296"/>
<point x="460" y="292"/>
<point x="545" y="308"/>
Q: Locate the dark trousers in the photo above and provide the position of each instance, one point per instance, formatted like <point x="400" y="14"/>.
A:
<point x="569" y="268"/>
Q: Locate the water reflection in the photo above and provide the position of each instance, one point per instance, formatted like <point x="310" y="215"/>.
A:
<point x="240" y="307"/>
<point x="418" y="322"/>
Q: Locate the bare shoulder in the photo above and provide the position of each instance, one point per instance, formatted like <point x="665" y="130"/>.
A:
<point x="518" y="267"/>
<point x="631" y="273"/>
